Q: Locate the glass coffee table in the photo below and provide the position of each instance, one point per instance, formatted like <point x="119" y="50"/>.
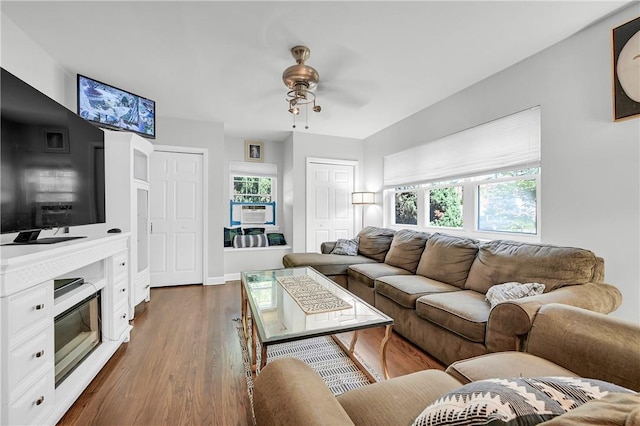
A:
<point x="290" y="304"/>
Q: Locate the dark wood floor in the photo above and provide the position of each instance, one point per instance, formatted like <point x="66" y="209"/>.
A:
<point x="183" y="364"/>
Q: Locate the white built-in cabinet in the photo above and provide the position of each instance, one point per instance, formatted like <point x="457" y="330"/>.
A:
<point x="28" y="308"/>
<point x="127" y="176"/>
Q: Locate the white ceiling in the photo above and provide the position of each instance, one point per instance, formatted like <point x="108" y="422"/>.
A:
<point x="379" y="62"/>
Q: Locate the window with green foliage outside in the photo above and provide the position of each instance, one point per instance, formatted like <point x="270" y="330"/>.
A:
<point x="249" y="189"/>
<point x="406" y="206"/>
<point x="509" y="206"/>
<point x="505" y="201"/>
<point x="445" y="207"/>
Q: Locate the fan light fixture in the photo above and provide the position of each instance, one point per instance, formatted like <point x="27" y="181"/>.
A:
<point x="301" y="79"/>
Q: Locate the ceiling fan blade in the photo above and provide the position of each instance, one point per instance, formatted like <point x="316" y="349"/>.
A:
<point x="351" y="93"/>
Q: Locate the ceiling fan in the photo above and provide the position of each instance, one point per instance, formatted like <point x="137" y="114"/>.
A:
<point x="302" y="80"/>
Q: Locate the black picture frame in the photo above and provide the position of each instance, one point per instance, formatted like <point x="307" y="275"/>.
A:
<point x="56" y="141"/>
<point x="624" y="39"/>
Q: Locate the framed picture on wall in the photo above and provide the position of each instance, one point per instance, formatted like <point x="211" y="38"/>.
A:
<point x="253" y="151"/>
<point x="56" y="141"/>
<point x="626" y="70"/>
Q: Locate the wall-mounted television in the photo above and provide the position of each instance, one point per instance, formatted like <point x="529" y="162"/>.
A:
<point x="113" y="108"/>
<point x="52" y="163"/>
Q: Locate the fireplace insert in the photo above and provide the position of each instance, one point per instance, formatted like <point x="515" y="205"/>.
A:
<point x="77" y="333"/>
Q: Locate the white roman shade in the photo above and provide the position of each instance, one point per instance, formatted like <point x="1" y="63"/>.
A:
<point x="512" y="141"/>
<point x="253" y="169"/>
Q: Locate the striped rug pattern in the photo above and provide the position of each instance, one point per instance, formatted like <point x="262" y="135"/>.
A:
<point x="321" y="353"/>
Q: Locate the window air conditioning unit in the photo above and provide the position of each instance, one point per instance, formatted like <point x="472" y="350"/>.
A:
<point x="254" y="214"/>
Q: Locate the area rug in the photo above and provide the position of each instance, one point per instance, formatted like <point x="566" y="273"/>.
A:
<point x="311" y="296"/>
<point x="324" y="356"/>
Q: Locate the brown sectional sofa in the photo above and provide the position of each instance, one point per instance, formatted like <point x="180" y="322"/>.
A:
<point x="434" y="286"/>
<point x="565" y="341"/>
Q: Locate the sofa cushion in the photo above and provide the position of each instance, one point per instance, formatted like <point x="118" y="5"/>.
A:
<point x="516" y="400"/>
<point x="406" y="289"/>
<point x="500" y="365"/>
<point x="406" y="248"/>
<point x="367" y="273"/>
<point x="327" y="264"/>
<point x="375" y="242"/>
<point x="462" y="312"/>
<point x="614" y="409"/>
<point x="502" y="261"/>
<point x="394" y="402"/>
<point x="447" y="258"/>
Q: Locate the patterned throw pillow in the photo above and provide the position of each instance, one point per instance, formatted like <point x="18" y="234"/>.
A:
<point x="346" y="247"/>
<point x="258" y="240"/>
<point x="514" y="401"/>
<point x="276" y="239"/>
<point x="513" y="290"/>
<point x="253" y="231"/>
<point x="229" y="235"/>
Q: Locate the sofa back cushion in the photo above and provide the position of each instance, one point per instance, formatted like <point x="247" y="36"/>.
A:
<point x="447" y="258"/>
<point x="406" y="248"/>
<point x="501" y="261"/>
<point x="375" y="242"/>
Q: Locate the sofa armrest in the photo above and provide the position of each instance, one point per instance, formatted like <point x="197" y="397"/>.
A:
<point x="288" y="392"/>
<point x="588" y="343"/>
<point x="510" y="322"/>
<point x="327" y="247"/>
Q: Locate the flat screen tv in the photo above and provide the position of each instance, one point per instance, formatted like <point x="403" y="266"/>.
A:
<point x="52" y="163"/>
<point x="114" y="108"/>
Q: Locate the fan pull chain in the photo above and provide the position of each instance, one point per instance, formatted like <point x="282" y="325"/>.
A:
<point x="306" y="116"/>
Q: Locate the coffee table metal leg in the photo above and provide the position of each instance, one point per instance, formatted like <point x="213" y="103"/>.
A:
<point x="263" y="356"/>
<point x="354" y="339"/>
<point x="253" y="345"/>
<point x="243" y="309"/>
<point x="383" y="350"/>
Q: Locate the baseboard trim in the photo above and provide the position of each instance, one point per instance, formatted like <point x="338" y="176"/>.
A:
<point x="232" y="277"/>
<point x="215" y="281"/>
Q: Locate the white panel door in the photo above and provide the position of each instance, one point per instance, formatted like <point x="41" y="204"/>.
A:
<point x="176" y="218"/>
<point x="329" y="210"/>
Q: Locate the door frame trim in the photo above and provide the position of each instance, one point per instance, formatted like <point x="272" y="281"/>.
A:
<point x="205" y="204"/>
<point x="332" y="161"/>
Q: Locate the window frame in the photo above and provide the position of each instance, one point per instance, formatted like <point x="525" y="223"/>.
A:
<point x="470" y="202"/>
<point x="273" y="202"/>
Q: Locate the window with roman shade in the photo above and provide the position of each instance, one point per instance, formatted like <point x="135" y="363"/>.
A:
<point x="477" y="182"/>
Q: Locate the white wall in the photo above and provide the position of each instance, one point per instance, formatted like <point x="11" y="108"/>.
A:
<point x="202" y="134"/>
<point x="299" y="147"/>
<point x="28" y="61"/>
<point x="590" y="165"/>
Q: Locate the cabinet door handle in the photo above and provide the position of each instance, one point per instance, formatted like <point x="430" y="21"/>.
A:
<point x="39" y="307"/>
<point x="122" y="264"/>
<point x="40" y="400"/>
<point x="123" y="290"/>
<point x="39" y="354"/>
<point x="147" y="286"/>
<point x="124" y="316"/>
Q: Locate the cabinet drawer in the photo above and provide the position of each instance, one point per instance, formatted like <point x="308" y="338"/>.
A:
<point x="36" y="401"/>
<point x="29" y="307"/>
<point x="120" y="292"/>
<point x="33" y="355"/>
<point x="120" y="319"/>
<point x="120" y="265"/>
